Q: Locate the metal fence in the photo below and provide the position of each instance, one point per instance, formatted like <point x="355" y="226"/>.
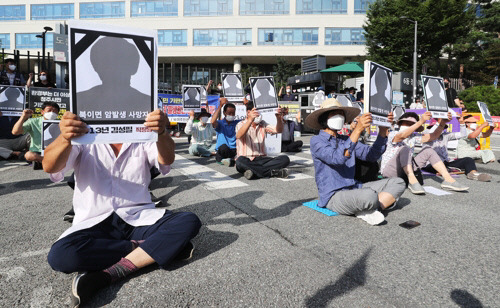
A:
<point x="27" y="62"/>
<point x="460" y="84"/>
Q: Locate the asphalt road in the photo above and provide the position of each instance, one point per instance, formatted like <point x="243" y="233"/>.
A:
<point x="259" y="247"/>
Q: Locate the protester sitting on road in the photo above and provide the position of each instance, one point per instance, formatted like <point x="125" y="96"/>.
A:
<point x="11" y="76"/>
<point x="440" y="145"/>
<point x="202" y="132"/>
<point x="335" y="157"/>
<point x="12" y="146"/>
<point x="290" y="125"/>
<point x="33" y="127"/>
<point x="398" y="159"/>
<point x="252" y="159"/>
<point x="288" y="96"/>
<point x="467" y="147"/>
<point x="226" y="133"/>
<point x="43" y="80"/>
<point x="116" y="229"/>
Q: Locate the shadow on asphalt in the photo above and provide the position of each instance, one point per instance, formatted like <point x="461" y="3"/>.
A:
<point x="353" y="277"/>
<point x="464" y="299"/>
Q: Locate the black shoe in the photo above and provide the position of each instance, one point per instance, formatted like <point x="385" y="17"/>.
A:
<point x="37" y="165"/>
<point x="186" y="252"/>
<point x="86" y="285"/>
<point x="280" y="173"/>
<point x="248" y="174"/>
<point x="69" y="216"/>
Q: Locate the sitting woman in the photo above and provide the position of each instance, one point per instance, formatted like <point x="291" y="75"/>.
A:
<point x="398" y="159"/>
<point x="335" y="164"/>
<point x="467" y="147"/>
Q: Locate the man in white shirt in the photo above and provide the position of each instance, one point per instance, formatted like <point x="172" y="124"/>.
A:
<point x="116" y="229"/>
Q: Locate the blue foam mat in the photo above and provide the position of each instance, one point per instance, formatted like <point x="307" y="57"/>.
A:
<point x="314" y="205"/>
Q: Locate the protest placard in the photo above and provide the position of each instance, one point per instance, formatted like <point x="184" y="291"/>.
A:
<point x="113" y="76"/>
<point x="12" y="100"/>
<point x="486" y="113"/>
<point x="50" y="132"/>
<point x="378" y="92"/>
<point x="397" y="112"/>
<point x="171" y="104"/>
<point x="232" y="87"/>
<point x="273" y="141"/>
<point x="38" y="96"/>
<point x="435" y="96"/>
<point x="292" y="106"/>
<point x="398" y="98"/>
<point x="263" y="92"/>
<point x="343" y="99"/>
<point x="191" y="97"/>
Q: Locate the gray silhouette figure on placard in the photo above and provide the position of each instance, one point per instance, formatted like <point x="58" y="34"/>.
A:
<point x="264" y="95"/>
<point x="192" y="98"/>
<point x="379" y="100"/>
<point x="50" y="134"/>
<point x="12" y="103"/>
<point x="115" y="60"/>
<point x="434" y="99"/>
<point x="232" y="86"/>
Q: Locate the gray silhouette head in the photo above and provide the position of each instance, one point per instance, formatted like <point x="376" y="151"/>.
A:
<point x="53" y="133"/>
<point x="192" y="93"/>
<point x="12" y="94"/>
<point x="434" y="87"/>
<point x="114" y="59"/>
<point x="263" y="86"/>
<point x="381" y="81"/>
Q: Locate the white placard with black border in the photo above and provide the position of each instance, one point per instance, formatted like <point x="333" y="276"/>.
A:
<point x="12" y="100"/>
<point x="191" y="98"/>
<point x="378" y="92"/>
<point x="232" y="87"/>
<point x="397" y="112"/>
<point x="435" y="96"/>
<point x="486" y="113"/>
<point x="113" y="81"/>
<point x="263" y="93"/>
<point x="50" y="131"/>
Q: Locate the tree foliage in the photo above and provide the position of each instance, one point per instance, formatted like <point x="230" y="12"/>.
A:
<point x="283" y="70"/>
<point x="486" y="94"/>
<point x="249" y="71"/>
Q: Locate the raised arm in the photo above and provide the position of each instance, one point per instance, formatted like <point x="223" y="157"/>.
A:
<point x="407" y="133"/>
<point x="244" y="129"/>
<point x="216" y="115"/>
<point x="488" y="133"/>
<point x="30" y="79"/>
<point x="157" y="121"/>
<point x="477" y="131"/>
<point x="18" y="127"/>
<point x="57" y="153"/>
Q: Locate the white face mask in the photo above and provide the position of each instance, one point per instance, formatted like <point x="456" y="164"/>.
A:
<point x="336" y="122"/>
<point x="288" y="91"/>
<point x="258" y="119"/>
<point x="43" y="77"/>
<point x="473" y="126"/>
<point x="50" y="115"/>
<point x="230" y="118"/>
<point x="204" y="120"/>
<point x="219" y="87"/>
<point x="12" y="67"/>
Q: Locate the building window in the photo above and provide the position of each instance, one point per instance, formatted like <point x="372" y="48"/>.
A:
<point x="12" y="12"/>
<point x="172" y="37"/>
<point x="52" y="11"/>
<point x="153" y="8"/>
<point x="322" y="6"/>
<point x="264" y="7"/>
<point x="222" y="37"/>
<point x="208" y="7"/>
<point x="344" y="36"/>
<point x="102" y="9"/>
<point x="29" y="40"/>
<point x="288" y="36"/>
<point x="5" y="40"/>
<point x="361" y="6"/>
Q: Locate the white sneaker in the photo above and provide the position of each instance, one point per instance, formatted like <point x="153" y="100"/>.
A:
<point x="372" y="217"/>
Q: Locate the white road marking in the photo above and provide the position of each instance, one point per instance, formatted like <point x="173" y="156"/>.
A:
<point x="210" y="178"/>
<point x="12" y="165"/>
<point x="41" y="297"/>
<point x="12" y="273"/>
<point x="296" y="176"/>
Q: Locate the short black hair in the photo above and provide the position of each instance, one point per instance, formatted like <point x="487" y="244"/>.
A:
<point x="9" y="60"/>
<point x="51" y="104"/>
<point x="229" y="105"/>
<point x="249" y="106"/>
<point x="411" y="115"/>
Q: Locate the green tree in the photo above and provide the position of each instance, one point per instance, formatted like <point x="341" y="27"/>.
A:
<point x="390" y="39"/>
<point x="486" y="94"/>
<point x="283" y="70"/>
<point x="249" y="71"/>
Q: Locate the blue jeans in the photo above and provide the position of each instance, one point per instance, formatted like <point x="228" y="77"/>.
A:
<point x="201" y="150"/>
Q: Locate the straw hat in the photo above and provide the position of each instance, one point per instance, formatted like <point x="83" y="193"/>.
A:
<point x="328" y="105"/>
<point x="470" y="119"/>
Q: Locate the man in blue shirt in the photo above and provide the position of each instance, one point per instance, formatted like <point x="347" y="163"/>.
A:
<point x="226" y="133"/>
<point x="335" y="164"/>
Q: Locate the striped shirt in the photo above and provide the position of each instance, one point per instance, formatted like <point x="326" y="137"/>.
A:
<point x="253" y="144"/>
<point x="201" y="134"/>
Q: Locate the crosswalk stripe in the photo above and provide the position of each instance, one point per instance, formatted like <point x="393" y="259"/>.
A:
<point x="210" y="178"/>
<point x="10" y="165"/>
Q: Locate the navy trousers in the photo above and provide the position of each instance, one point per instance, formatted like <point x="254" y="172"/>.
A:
<point x="104" y="244"/>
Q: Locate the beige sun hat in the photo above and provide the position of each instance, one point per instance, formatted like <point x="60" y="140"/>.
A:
<point x="312" y="121"/>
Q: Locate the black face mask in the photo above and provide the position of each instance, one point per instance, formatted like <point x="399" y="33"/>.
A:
<point x="446" y="84"/>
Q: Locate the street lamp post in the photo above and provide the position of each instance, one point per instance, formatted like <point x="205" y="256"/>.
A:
<point x="42" y="36"/>
<point x="414" y="58"/>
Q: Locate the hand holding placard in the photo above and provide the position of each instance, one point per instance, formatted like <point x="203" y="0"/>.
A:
<point x="71" y="126"/>
<point x="156" y="121"/>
